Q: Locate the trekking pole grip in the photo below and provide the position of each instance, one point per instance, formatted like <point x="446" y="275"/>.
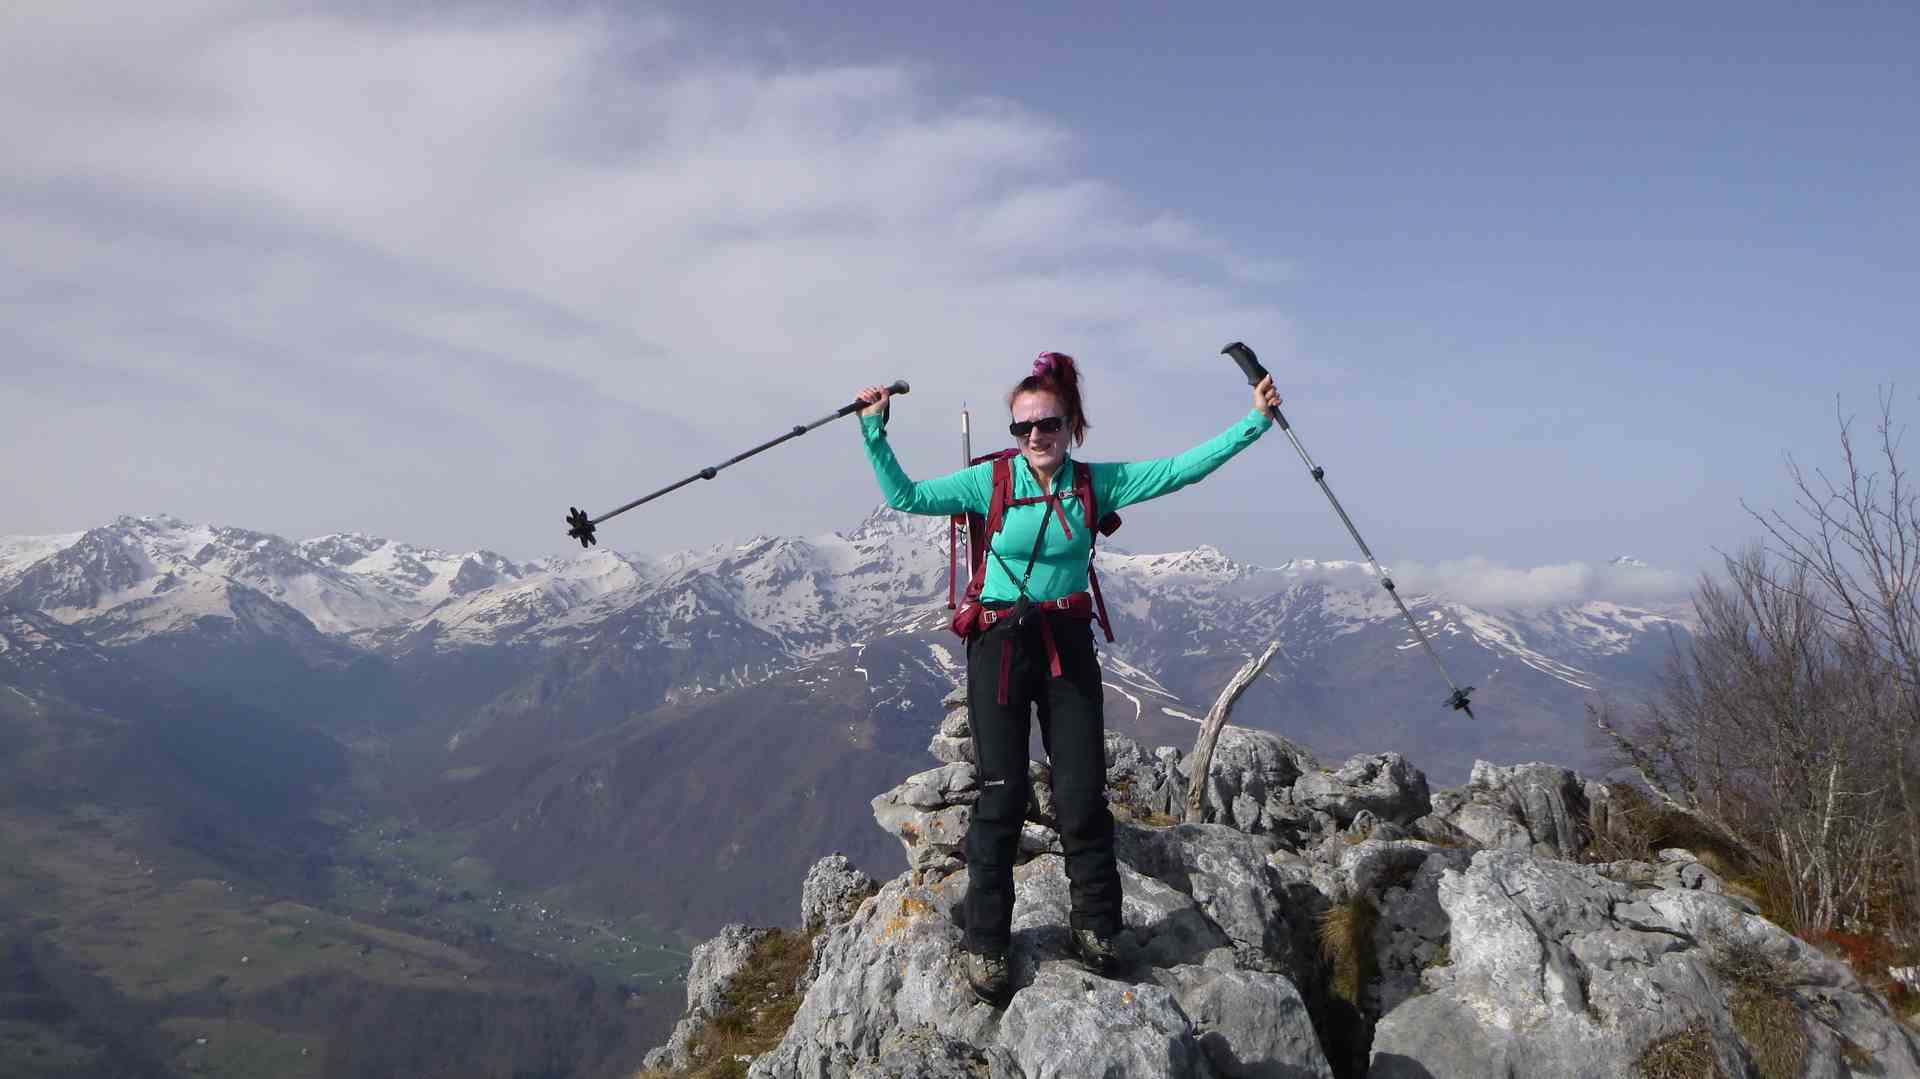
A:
<point x="899" y="387"/>
<point x="1249" y="363"/>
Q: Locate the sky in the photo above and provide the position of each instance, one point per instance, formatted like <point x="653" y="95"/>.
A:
<point x="1541" y="285"/>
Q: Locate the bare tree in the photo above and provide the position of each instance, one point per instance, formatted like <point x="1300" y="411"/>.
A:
<point x="1791" y="721"/>
<point x="1757" y="730"/>
<point x="1859" y="542"/>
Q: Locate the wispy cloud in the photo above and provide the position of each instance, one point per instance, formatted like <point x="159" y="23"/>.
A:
<point x="1480" y="582"/>
<point x="397" y="273"/>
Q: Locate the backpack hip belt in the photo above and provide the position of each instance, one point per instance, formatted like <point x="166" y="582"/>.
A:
<point x="1079" y="605"/>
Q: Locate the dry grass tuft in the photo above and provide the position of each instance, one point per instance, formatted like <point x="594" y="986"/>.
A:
<point x="1346" y="941"/>
<point x="1774" y="1034"/>
<point x="1125" y="810"/>
<point x="1771" y="890"/>
<point x="1684" y="1054"/>
<point x="1764" y="1013"/>
<point x="1645" y="828"/>
<point x="755" y="1012"/>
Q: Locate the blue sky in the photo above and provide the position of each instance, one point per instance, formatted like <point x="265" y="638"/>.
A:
<point x="1542" y="286"/>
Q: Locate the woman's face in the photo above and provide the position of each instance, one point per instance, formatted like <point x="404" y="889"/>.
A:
<point x="1043" y="450"/>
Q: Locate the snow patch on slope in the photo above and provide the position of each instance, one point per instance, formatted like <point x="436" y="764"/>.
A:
<point x="19" y="552"/>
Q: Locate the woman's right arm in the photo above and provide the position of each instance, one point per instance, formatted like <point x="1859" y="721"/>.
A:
<point x="969" y="489"/>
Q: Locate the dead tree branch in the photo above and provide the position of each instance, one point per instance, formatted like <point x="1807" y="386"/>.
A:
<point x="1202" y="757"/>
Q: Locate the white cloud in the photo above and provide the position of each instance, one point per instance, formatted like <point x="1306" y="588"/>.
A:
<point x="568" y="246"/>
<point x="1481" y="583"/>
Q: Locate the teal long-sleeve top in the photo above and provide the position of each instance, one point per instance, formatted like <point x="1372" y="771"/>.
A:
<point x="1060" y="569"/>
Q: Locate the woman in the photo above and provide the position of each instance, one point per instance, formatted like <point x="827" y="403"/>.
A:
<point x="1049" y="657"/>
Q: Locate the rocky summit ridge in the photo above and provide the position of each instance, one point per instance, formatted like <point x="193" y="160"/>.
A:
<point x="1323" y="921"/>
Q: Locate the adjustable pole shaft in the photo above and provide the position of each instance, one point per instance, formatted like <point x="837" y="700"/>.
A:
<point x="581" y="527"/>
<point x="1250" y="366"/>
<point x="966" y="459"/>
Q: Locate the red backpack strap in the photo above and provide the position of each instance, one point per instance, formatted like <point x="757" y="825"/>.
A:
<point x="980" y="529"/>
<point x="1096" y="525"/>
<point x="1083" y="490"/>
<point x="1002" y="491"/>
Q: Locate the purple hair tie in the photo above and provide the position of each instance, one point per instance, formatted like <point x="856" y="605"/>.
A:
<point x="1043" y="365"/>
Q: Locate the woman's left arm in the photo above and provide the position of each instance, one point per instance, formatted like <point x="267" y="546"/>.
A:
<point x="1124" y="483"/>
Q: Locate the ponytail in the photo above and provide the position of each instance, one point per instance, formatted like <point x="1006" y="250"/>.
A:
<point x="1055" y="373"/>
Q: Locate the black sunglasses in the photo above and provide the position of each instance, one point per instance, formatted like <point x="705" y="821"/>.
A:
<point x="1049" y="425"/>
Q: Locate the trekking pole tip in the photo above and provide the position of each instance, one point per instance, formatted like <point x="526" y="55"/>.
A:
<point x="580" y="527"/>
<point x="1459" y="701"/>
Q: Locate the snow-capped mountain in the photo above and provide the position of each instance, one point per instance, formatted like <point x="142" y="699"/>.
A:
<point x="339" y="584"/>
<point x="729" y="615"/>
<point x="140" y="576"/>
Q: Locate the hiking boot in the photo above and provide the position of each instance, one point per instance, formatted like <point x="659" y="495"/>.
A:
<point x="1100" y="954"/>
<point x="990" y="977"/>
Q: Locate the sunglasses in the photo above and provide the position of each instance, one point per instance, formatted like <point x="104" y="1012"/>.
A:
<point x="1049" y="425"/>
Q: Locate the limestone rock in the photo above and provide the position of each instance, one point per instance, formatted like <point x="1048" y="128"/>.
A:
<point x="1536" y="807"/>
<point x="1248" y="1023"/>
<point x="1451" y="959"/>
<point x="1229" y="878"/>
<point x="1143" y="785"/>
<point x="833" y="890"/>
<point x="928" y="813"/>
<point x="953" y="742"/>
<point x="889" y="992"/>
<point x="1068" y="1024"/>
<point x="922" y="1053"/>
<point x="1555" y="970"/>
<point x="1251" y="783"/>
<point x="1382" y="783"/>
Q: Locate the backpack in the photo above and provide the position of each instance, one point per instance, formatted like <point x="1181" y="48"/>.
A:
<point x="980" y="531"/>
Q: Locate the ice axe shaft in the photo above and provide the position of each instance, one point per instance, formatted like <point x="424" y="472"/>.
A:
<point x="1251" y="367"/>
<point x="581" y="527"/>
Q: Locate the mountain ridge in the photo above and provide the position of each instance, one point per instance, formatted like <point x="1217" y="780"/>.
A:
<point x="653" y="631"/>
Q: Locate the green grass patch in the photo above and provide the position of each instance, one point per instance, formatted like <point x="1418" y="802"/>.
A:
<point x="37" y="1051"/>
<point x="247" y="1057"/>
<point x="237" y="1049"/>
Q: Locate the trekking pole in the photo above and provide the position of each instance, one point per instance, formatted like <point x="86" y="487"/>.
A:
<point x="1250" y="366"/>
<point x="966" y="459"/>
<point x="581" y="527"/>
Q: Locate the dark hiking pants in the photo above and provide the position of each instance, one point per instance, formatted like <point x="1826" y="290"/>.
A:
<point x="1073" y="728"/>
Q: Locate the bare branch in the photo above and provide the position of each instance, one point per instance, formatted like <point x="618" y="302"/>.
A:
<point x="1202" y="758"/>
